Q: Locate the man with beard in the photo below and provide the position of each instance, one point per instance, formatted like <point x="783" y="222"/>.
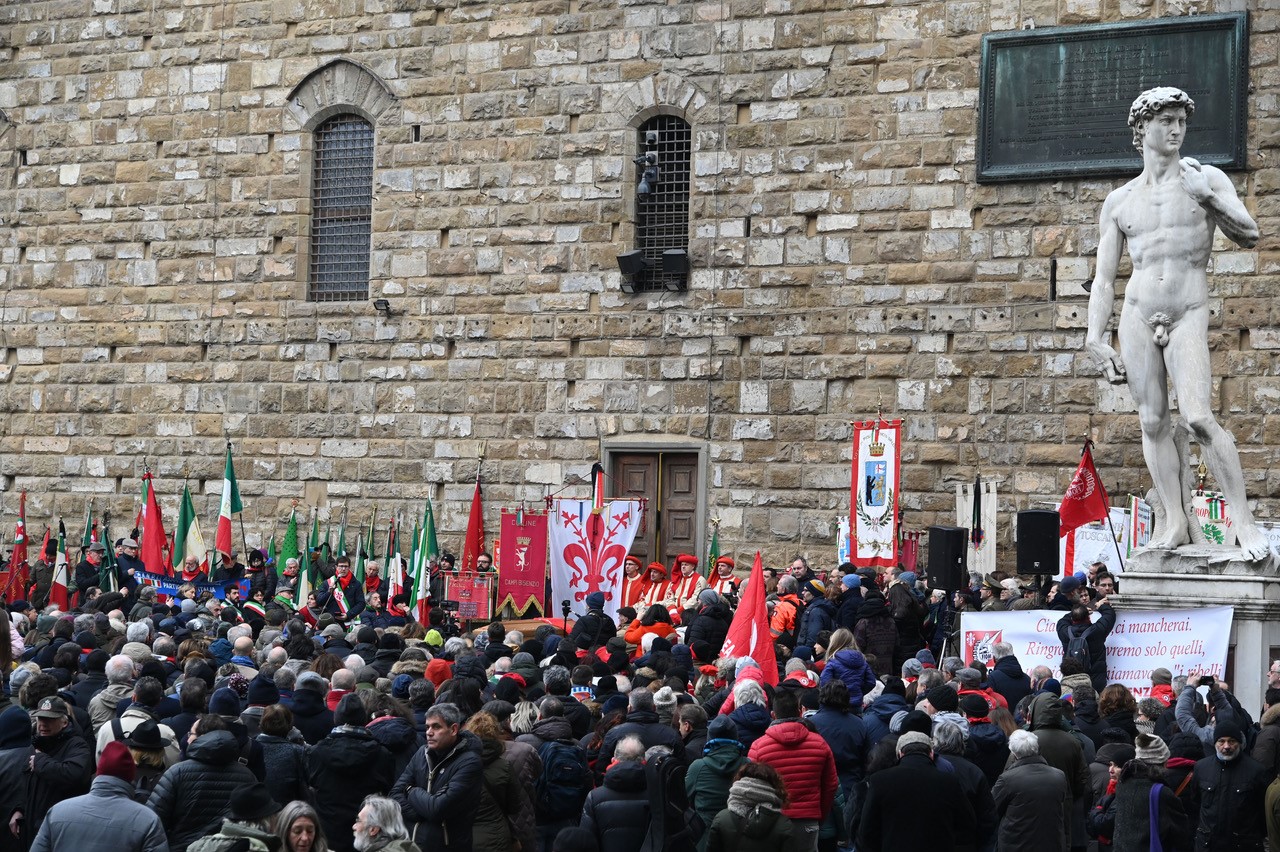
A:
<point x="440" y="788"/>
<point x="1232" y="789"/>
<point x="379" y="827"/>
<point x="342" y="588"/>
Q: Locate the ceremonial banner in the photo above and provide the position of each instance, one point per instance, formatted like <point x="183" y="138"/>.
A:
<point x="1180" y="640"/>
<point x="1214" y="515"/>
<point x="522" y="561"/>
<point x="1095" y="542"/>
<point x="982" y="553"/>
<point x="168" y="586"/>
<point x="473" y="593"/>
<point x="587" y="550"/>
<point x="873" y="534"/>
<point x="842" y="540"/>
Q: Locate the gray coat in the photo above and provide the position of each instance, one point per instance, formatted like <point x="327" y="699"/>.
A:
<point x="1032" y="800"/>
<point x="107" y="819"/>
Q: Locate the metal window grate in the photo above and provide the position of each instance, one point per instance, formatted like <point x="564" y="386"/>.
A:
<point x="341" y="209"/>
<point x="662" y="218"/>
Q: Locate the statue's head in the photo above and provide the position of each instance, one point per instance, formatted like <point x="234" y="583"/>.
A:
<point x="1151" y="102"/>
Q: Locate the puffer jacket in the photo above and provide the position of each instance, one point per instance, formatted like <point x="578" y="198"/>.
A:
<point x="847" y="608"/>
<point x="763" y="830"/>
<point x="711" y="625"/>
<point x="438" y="795"/>
<point x="192" y="797"/>
<point x="708" y="780"/>
<point x="802" y="757"/>
<point x="342" y="769"/>
<point x="847" y="736"/>
<point x="876" y="633"/>
<point x="752" y="721"/>
<point x="617" y="813"/>
<point x="852" y="668"/>
<point x="501" y="796"/>
<point x="987" y="747"/>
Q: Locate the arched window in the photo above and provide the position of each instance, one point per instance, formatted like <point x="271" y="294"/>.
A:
<point x="341" y="209"/>
<point x="662" y="203"/>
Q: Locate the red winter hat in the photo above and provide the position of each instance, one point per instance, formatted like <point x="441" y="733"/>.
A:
<point x="438" y="671"/>
<point x="117" y="762"/>
<point x="686" y="557"/>
<point x="724" y="560"/>
<point x="657" y="566"/>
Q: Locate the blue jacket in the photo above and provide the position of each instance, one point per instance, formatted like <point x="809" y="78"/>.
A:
<point x="751" y="720"/>
<point x="354" y="593"/>
<point x="817" y="617"/>
<point x="876" y="718"/>
<point x="852" y="668"/>
<point x="1008" y="679"/>
<point x="846" y="734"/>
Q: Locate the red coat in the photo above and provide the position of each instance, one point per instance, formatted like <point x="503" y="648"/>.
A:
<point x="802" y="757"/>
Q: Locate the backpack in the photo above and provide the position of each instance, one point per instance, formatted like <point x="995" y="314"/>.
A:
<point x="674" y="826"/>
<point x="1078" y="648"/>
<point x="565" y="780"/>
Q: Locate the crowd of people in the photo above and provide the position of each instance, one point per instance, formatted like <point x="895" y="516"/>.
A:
<point x="206" y="724"/>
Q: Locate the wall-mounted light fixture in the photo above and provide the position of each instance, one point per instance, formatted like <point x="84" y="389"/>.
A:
<point x="382" y="306"/>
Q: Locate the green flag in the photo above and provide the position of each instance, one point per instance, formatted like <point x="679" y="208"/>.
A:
<point x="370" y="538"/>
<point x="306" y="572"/>
<point x="357" y="561"/>
<point x="289" y="549"/>
<point x="271" y="554"/>
<point x="88" y="527"/>
<point x="714" y="553"/>
<point x="427" y="551"/>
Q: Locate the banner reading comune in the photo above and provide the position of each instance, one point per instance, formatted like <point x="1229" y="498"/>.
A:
<point x="1180" y="640"/>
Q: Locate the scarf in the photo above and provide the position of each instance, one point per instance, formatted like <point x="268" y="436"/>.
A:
<point x="746" y="794"/>
<point x="371" y="584"/>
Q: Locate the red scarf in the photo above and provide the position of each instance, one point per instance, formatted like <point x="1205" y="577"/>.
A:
<point x="345" y="581"/>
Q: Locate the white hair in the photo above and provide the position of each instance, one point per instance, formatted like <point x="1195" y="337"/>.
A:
<point x="238" y="631"/>
<point x="353" y="663"/>
<point x="629" y="750"/>
<point x="1023" y="744"/>
<point x="1000" y="650"/>
<point x="119" y="669"/>
<point x="748" y="692"/>
<point x="139" y="631"/>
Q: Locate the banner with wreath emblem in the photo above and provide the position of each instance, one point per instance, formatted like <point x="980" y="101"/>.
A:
<point x="873" y="515"/>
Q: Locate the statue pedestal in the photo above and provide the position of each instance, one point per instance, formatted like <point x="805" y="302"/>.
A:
<point x="1202" y="576"/>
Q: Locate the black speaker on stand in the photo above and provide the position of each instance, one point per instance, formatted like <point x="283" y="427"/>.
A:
<point x="1038" y="547"/>
<point x="948" y="558"/>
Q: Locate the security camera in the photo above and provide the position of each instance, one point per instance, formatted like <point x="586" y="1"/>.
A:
<point x="651" y="138"/>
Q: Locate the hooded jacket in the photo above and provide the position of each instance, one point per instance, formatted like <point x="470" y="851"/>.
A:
<point x="193" y="796"/>
<point x="879" y="713"/>
<point x="398" y="737"/>
<point x="752" y="721"/>
<point x="710" y="625"/>
<point x="438" y="794"/>
<point x="851" y="667"/>
<point x="876" y="632"/>
<point x="311" y="716"/>
<point x="1058" y="746"/>
<point x="708" y="780"/>
<point x="762" y="830"/>
<point x="342" y="769"/>
<point x="1266" y="748"/>
<point x="804" y="760"/>
<point x="504" y="811"/>
<point x="1009" y="680"/>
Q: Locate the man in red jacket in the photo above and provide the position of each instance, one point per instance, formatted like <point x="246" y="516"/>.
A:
<point x="805" y="762"/>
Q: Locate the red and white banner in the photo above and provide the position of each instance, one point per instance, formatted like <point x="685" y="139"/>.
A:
<point x="873" y="502"/>
<point x="588" y="548"/>
<point x="1180" y="640"/>
<point x="1097" y="541"/>
<point x="473" y="593"/>
<point x="521" y="555"/>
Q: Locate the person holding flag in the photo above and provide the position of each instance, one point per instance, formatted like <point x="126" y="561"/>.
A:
<point x="89" y="570"/>
<point x="19" y="570"/>
<point x="341" y="595"/>
<point x="59" y="591"/>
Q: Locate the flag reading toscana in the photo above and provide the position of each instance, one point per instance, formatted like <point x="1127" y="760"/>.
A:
<point x="1180" y="640"/>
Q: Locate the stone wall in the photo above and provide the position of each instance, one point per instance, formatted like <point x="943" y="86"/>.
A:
<point x="155" y="185"/>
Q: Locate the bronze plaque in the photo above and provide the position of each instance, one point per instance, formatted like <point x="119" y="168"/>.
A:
<point x="1055" y="102"/>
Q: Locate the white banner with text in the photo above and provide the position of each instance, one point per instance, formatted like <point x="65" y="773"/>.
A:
<point x="1180" y="640"/>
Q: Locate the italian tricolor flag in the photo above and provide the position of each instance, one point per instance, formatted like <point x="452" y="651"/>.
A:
<point x="230" y="505"/>
<point x="61" y="573"/>
<point x="189" y="541"/>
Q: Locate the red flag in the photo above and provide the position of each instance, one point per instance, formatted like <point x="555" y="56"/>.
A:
<point x="1086" y="500"/>
<point x="474" y="545"/>
<point x="18" y="571"/>
<point x="154" y="541"/>
<point x="749" y="634"/>
<point x="61" y="582"/>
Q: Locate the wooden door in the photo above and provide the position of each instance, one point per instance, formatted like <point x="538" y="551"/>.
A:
<point x="670" y="484"/>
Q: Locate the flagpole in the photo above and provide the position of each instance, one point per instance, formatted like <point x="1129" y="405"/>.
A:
<point x="1115" y="539"/>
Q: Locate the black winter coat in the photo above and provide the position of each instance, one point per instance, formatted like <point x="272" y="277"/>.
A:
<point x="342" y="769"/>
<point x="286" y="768"/>
<point x="193" y="796"/>
<point x="877" y="634"/>
<point x="353" y="592"/>
<point x="311" y="716"/>
<point x="711" y="626"/>
<point x="817" y="617"/>
<point x="978" y="789"/>
<point x="82" y="693"/>
<point x="438" y="795"/>
<point x="1232" y="811"/>
<point x="1097" y="642"/>
<point x="847" y="608"/>
<point x="1132" y="832"/>
<point x="617" y="813"/>
<point x="645" y="725"/>
<point x="63" y="768"/>
<point x="891" y="815"/>
<point x="399" y="738"/>
<point x="596" y="626"/>
<point x="1008" y="679"/>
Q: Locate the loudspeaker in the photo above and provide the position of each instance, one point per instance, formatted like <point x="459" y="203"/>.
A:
<point x="948" y="558"/>
<point x="1038" y="541"/>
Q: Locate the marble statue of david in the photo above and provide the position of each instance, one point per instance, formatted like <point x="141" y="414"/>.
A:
<point x="1167" y="215"/>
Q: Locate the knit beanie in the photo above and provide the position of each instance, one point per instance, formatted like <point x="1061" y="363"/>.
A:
<point x="665" y="700"/>
<point x="263" y="692"/>
<point x="851" y="581"/>
<point x="912" y="668"/>
<point x="1151" y="749"/>
<point x="117" y="762"/>
<point x="914" y="742"/>
<point x="224" y="702"/>
<point x="794" y="665"/>
<point x="1161" y="677"/>
<point x="1227" y="729"/>
<point x="943" y="698"/>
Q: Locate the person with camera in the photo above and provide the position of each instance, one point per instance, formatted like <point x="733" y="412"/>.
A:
<point x="1084" y="639"/>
